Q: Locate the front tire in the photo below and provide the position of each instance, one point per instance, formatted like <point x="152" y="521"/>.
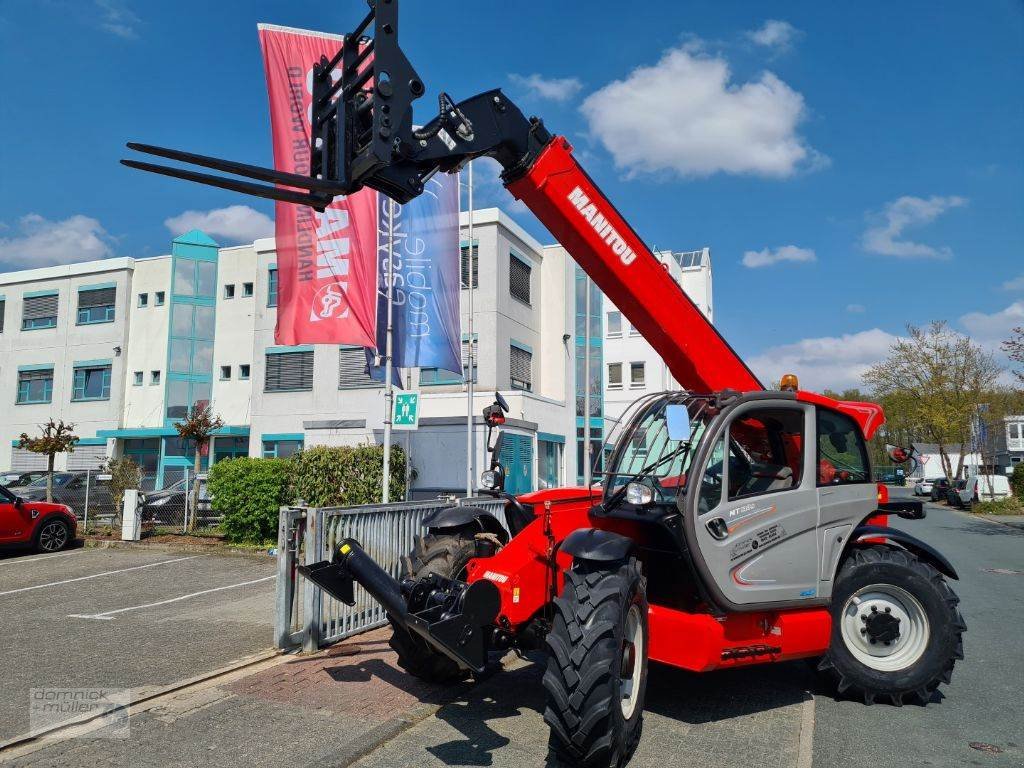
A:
<point x="445" y="555"/>
<point x="896" y="629"/>
<point x="53" y="535"/>
<point x="596" y="674"/>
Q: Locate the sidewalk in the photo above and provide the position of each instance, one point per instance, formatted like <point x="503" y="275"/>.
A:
<point x="351" y="705"/>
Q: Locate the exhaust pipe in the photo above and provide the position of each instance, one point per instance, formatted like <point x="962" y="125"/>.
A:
<point x="454" y="618"/>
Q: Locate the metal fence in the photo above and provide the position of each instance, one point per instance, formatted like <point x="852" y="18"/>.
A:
<point x="309" y="618"/>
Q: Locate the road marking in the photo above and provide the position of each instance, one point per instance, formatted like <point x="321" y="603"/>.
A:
<point x="108" y="615"/>
<point x="97" y="575"/>
<point x="20" y="560"/>
<point x="805" y="753"/>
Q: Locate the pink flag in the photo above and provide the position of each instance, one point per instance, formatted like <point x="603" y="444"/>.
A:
<point x="326" y="262"/>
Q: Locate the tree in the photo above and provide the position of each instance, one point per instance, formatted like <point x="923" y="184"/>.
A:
<point x="57" y="437"/>
<point x="1014" y="348"/>
<point x="198" y="426"/>
<point x="939" y="379"/>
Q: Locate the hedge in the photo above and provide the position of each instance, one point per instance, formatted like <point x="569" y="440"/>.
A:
<point x="344" y="476"/>
<point x="1017" y="482"/>
<point x="248" y="493"/>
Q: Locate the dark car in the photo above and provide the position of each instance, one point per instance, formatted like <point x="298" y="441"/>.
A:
<point x="939" y="489"/>
<point x="69" y="489"/>
<point x="168" y="505"/>
<point x="46" y="527"/>
<point x="16" y="479"/>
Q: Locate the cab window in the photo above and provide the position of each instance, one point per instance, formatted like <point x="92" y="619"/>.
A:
<point x="765" y="452"/>
<point x="842" y="457"/>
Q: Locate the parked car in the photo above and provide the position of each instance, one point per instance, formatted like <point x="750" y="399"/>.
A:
<point x="44" y="526"/>
<point x="953" y="493"/>
<point x="939" y="488"/>
<point x="13" y="479"/>
<point x="923" y="487"/>
<point x="168" y="505"/>
<point x="980" y="488"/>
<point x="69" y="489"/>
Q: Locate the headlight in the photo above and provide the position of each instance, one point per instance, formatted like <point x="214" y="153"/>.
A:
<point x="160" y="502"/>
<point x="489" y="479"/>
<point x="639" y="494"/>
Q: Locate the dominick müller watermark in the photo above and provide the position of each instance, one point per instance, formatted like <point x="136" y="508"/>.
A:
<point x="52" y="707"/>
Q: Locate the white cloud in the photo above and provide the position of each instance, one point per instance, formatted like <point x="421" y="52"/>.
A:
<point x="856" y="309"/>
<point x="887" y="237"/>
<point x="118" y="19"/>
<point x="488" y="189"/>
<point x="1017" y="284"/>
<point x="552" y="88"/>
<point x="995" y="327"/>
<point x="833" y="362"/>
<point x="769" y="256"/>
<point x="39" y="242"/>
<point x="684" y="115"/>
<point x="775" y="34"/>
<point x="237" y="223"/>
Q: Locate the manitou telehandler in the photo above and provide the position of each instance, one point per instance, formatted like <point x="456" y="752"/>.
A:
<point x="733" y="525"/>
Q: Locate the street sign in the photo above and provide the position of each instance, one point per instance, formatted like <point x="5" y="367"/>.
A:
<point x="407" y="411"/>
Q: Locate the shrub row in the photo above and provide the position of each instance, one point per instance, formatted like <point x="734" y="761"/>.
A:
<point x="249" y="492"/>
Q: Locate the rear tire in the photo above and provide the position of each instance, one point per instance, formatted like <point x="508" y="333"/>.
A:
<point x="596" y="675"/>
<point x="896" y="629"/>
<point x="447" y="556"/>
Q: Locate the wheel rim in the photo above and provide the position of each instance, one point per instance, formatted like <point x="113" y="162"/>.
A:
<point x="53" y="537"/>
<point x="632" y="661"/>
<point x="885" y="627"/>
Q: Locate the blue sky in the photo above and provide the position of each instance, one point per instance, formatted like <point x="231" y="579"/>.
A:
<point x="852" y="167"/>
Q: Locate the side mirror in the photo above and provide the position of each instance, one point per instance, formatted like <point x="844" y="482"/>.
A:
<point x="677" y="419"/>
<point x="899" y="455"/>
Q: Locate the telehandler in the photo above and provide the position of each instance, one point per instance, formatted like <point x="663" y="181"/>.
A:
<point x="733" y="525"/>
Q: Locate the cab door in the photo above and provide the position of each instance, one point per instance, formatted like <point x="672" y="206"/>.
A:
<point x="755" y="517"/>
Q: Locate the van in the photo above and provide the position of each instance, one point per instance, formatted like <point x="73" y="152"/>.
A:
<point x="983" y="488"/>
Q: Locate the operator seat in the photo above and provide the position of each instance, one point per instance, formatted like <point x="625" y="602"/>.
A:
<point x="766" y="478"/>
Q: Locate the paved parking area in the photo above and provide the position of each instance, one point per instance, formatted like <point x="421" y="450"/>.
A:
<point x="125" y="618"/>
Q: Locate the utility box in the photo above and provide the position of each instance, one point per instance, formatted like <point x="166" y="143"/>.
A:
<point x="131" y="521"/>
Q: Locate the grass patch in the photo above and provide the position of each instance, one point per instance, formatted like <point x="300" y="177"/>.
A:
<point x="1009" y="506"/>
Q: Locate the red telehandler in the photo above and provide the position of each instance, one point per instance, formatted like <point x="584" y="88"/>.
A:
<point x="733" y="525"/>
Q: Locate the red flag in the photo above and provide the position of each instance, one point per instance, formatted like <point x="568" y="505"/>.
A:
<point x="326" y="262"/>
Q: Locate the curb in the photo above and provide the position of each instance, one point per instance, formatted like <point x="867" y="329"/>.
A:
<point x="142" y="546"/>
<point x="987" y="518"/>
<point x="31" y="739"/>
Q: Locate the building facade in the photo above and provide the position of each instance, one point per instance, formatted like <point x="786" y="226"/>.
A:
<point x="123" y="348"/>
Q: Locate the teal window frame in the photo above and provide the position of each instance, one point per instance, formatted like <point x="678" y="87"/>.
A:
<point x="159" y="298"/>
<point x="244" y="372"/>
<point x="143" y="300"/>
<point x="272" y="287"/>
<point x="154" y="378"/>
<point x="80" y="383"/>
<point x="96" y="315"/>
<point x="225" y="373"/>
<point x="137" y="379"/>
<point x="38" y="323"/>
<point x="24" y="390"/>
<point x="271" y="449"/>
<point x="247" y="290"/>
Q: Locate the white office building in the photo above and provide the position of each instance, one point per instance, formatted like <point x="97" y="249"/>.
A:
<point x="632" y="368"/>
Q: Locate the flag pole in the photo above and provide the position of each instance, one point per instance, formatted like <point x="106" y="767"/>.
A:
<point x="389" y="392"/>
<point x="470" y="442"/>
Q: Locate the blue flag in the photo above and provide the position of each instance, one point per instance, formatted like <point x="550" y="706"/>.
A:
<point x="427" y="282"/>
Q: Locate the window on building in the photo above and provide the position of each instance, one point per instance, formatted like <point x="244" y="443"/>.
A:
<point x="35" y="386"/>
<point x="272" y="287"/>
<point x="281" y="449"/>
<point x="521" y="368"/>
<point x="229" y="291"/>
<point x="143" y="300"/>
<point x="243" y="371"/>
<point x="91" y="383"/>
<point x="246" y="290"/>
<point x="137" y="378"/>
<point x="289" y="371"/>
<point x="614" y="375"/>
<point x="225" y="372"/>
<point x="435" y="376"/>
<point x="637" y="375"/>
<point x="464" y="265"/>
<point x="632" y="331"/>
<point x="614" y="324"/>
<point x="39" y="312"/>
<point x="96" y="305"/>
<point x="519" y="278"/>
<point x="352" y="372"/>
<point x="842" y="456"/>
<point x="195" y="278"/>
<point x="154" y="378"/>
<point x="158" y="298"/>
<point x="3" y="311"/>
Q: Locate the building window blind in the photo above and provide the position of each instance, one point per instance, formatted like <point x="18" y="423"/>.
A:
<point x="39" y="312"/>
<point x="289" y="372"/>
<point x="352" y="372"/>
<point x="3" y="310"/>
<point x="464" y="262"/>
<point x="96" y="305"/>
<point x="519" y="278"/>
<point x="521" y="368"/>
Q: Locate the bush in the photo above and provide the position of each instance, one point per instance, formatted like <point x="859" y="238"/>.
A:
<point x="344" y="476"/>
<point x="1009" y="506"/>
<point x="1017" y="482"/>
<point x="249" y="493"/>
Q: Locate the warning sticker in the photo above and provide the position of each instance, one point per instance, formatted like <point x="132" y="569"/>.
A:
<point x="763" y="538"/>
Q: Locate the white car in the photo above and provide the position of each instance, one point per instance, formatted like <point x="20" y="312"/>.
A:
<point x="923" y="487"/>
<point x="981" y="488"/>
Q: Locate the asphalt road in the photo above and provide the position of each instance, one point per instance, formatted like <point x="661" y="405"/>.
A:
<point x="123" y="618"/>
